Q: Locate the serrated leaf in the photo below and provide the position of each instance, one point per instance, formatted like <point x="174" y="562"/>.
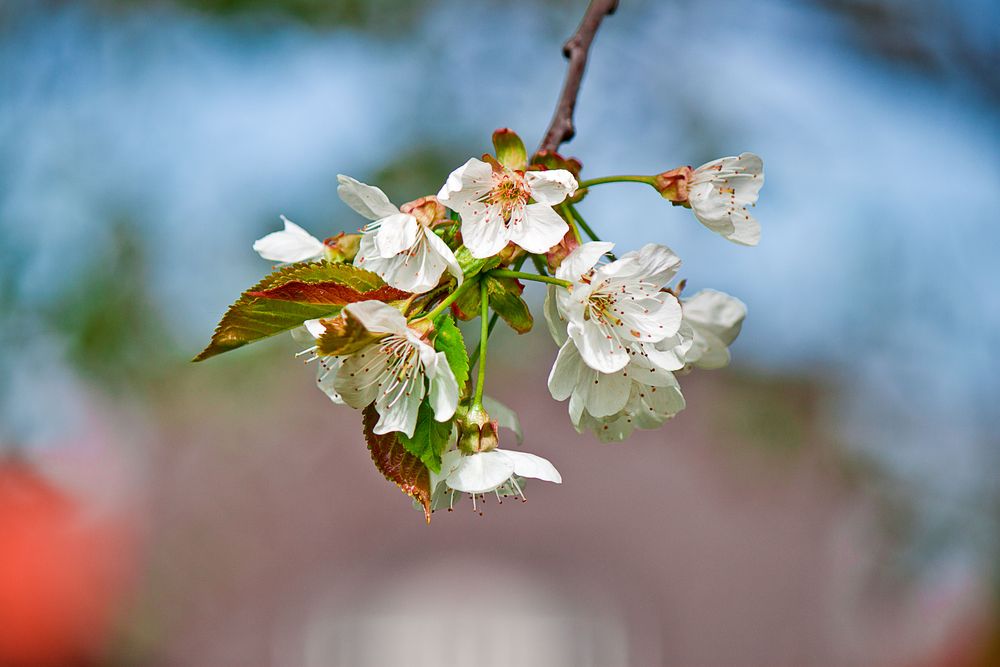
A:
<point x="328" y="293"/>
<point x="510" y="149"/>
<point x="429" y="439"/>
<point x="397" y="464"/>
<point x="254" y="317"/>
<point x="506" y="301"/>
<point x="449" y="340"/>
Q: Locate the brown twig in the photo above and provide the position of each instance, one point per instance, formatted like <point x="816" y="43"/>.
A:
<point x="575" y="49"/>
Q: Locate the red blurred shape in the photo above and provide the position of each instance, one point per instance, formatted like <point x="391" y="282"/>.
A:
<point x="61" y="574"/>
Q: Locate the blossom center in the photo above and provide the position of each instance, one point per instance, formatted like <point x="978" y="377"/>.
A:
<point x="509" y="194"/>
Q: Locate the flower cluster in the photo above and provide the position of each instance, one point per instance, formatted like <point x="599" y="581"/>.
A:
<point x="378" y="311"/>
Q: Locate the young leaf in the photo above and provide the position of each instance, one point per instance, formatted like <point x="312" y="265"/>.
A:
<point x="450" y="341"/>
<point x="396" y="464"/>
<point x="510" y="149"/>
<point x="429" y="439"/>
<point x="344" y="335"/>
<point x="257" y="314"/>
<point x="506" y="301"/>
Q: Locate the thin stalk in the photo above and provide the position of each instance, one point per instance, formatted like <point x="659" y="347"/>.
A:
<point x="448" y="300"/>
<point x="474" y="357"/>
<point x="540" y="265"/>
<point x="521" y="275"/>
<point x="585" y="227"/>
<point x="648" y="180"/>
<point x="571" y="220"/>
<point x="484" y="334"/>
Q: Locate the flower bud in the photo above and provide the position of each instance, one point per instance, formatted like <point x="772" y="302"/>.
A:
<point x="673" y="185"/>
<point x="427" y="210"/>
<point x="342" y="248"/>
<point x="477" y="432"/>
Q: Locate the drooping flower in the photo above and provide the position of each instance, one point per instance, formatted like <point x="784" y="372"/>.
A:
<point x="399" y="244"/>
<point x="617" y="312"/>
<point x="715" y="319"/>
<point x="500" y="205"/>
<point x="292" y="244"/>
<point x="396" y="371"/>
<point x="719" y="193"/>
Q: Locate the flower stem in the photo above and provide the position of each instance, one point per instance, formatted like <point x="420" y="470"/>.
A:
<point x="571" y="219"/>
<point x="448" y="300"/>
<point x="484" y="334"/>
<point x="474" y="357"/>
<point x="648" y="180"/>
<point x="521" y="275"/>
<point x="585" y="227"/>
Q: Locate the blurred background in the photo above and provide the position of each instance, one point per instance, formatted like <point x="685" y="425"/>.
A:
<point x="829" y="499"/>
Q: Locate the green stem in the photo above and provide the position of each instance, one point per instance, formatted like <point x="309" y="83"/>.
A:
<point x="585" y="227"/>
<point x="648" y="180"/>
<point x="448" y="300"/>
<point x="540" y="265"/>
<point x="474" y="357"/>
<point x="571" y="219"/>
<point x="484" y="334"/>
<point x="521" y="275"/>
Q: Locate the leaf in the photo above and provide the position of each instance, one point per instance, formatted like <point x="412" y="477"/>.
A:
<point x="466" y="306"/>
<point x="254" y="317"/>
<point x="344" y="335"/>
<point x="450" y="341"/>
<point x="396" y="464"/>
<point x="471" y="266"/>
<point x="510" y="149"/>
<point x="328" y="293"/>
<point x="429" y="439"/>
<point x="506" y="301"/>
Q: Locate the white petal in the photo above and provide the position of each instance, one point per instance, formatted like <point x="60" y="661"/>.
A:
<point x="565" y="373"/>
<point x="607" y="393"/>
<point x="550" y="187"/>
<point x="482" y="472"/>
<point x="555" y="321"/>
<point x="530" y="465"/>
<point x="367" y="200"/>
<point x="396" y="233"/>
<point x="378" y="317"/>
<point x="291" y="245"/>
<point x="466" y="186"/>
<point x="444" y="389"/>
<point x="326" y="376"/>
<point x="399" y="415"/>
<point x="504" y="417"/>
<point x="582" y="259"/>
<point x="599" y="350"/>
<point x="416" y="271"/>
<point x="316" y="328"/>
<point x="441" y="248"/>
<point x="542" y="228"/>
<point x="355" y="381"/>
<point x="717" y="312"/>
<point x="484" y="235"/>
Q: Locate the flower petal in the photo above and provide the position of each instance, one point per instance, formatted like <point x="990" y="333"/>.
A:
<point x="444" y="389"/>
<point x="530" y="465"/>
<point x="485" y="235"/>
<point x="599" y="349"/>
<point x="541" y="229"/>
<point x="357" y="378"/>
<point x="582" y="259"/>
<point x="441" y="248"/>
<point x="717" y="312"/>
<point x="482" y="472"/>
<point x="396" y="233"/>
<point x="293" y="244"/>
<point x="565" y="373"/>
<point x="608" y="393"/>
<point x="555" y="321"/>
<point x="367" y="200"/>
<point x="466" y="186"/>
<point x="399" y="412"/>
<point x="550" y="187"/>
<point x="378" y="317"/>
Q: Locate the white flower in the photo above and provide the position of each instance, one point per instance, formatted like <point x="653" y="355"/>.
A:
<point x="395" y="372"/>
<point x="494" y="204"/>
<point x="618" y="312"/>
<point x="327" y="368"/>
<point x="720" y="192"/>
<point x="293" y="244"/>
<point x="403" y="250"/>
<point x="715" y="319"/>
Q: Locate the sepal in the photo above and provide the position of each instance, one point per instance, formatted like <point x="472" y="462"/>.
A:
<point x="510" y="149"/>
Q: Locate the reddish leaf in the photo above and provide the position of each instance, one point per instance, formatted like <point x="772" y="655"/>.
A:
<point x="398" y="465"/>
<point x="328" y="293"/>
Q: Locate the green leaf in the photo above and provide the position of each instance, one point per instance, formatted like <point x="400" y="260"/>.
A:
<point x="506" y="301"/>
<point x="510" y="149"/>
<point x="429" y="439"/>
<point x="471" y="266"/>
<point x="344" y="335"/>
<point x="450" y="341"/>
<point x="283" y="301"/>
<point x="397" y="464"/>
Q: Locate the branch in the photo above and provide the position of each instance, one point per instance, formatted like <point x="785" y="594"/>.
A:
<point x="575" y="49"/>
